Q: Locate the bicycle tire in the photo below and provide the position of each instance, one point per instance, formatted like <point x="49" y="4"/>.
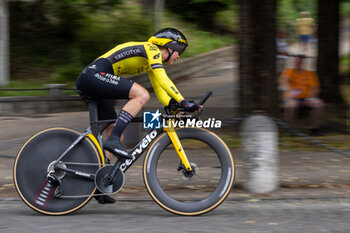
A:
<point x="187" y="203"/>
<point x="33" y="159"/>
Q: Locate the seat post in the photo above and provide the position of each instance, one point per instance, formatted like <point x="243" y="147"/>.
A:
<point x="91" y="102"/>
<point x="93" y="114"/>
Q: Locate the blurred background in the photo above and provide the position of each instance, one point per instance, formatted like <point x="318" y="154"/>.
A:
<point x="51" y="41"/>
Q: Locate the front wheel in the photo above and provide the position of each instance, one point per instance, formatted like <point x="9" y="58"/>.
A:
<point x="189" y="193"/>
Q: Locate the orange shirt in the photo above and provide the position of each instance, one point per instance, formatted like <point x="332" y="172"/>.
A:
<point x="300" y="83"/>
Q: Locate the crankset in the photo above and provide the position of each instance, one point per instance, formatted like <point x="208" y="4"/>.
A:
<point x="107" y="184"/>
<point x="102" y="179"/>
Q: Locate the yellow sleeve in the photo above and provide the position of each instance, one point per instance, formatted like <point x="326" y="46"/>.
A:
<point x="163" y="86"/>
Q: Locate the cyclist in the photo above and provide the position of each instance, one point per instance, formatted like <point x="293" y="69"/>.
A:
<point x="103" y="79"/>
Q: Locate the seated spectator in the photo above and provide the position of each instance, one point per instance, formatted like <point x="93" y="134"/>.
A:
<point x="301" y="88"/>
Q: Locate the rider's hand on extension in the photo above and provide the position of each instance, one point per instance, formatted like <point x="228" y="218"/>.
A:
<point x="189" y="106"/>
<point x="173" y="103"/>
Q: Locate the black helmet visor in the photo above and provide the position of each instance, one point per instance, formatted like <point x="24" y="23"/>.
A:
<point x="177" y="46"/>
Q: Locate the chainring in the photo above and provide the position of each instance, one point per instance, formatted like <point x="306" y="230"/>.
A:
<point x="117" y="182"/>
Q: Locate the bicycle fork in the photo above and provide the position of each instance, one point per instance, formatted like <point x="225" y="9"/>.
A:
<point x="170" y="130"/>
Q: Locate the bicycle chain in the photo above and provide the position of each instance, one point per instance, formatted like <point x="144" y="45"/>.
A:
<point x="83" y="195"/>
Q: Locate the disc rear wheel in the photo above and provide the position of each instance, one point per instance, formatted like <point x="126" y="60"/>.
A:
<point x="36" y="159"/>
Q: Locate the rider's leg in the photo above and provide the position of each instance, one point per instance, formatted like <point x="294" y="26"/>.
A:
<point x="108" y="132"/>
<point x="138" y="96"/>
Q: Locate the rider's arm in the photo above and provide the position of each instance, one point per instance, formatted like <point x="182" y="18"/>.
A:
<point x="162" y="96"/>
<point x="164" y="87"/>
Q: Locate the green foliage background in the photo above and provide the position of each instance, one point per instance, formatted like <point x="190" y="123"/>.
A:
<point x="53" y="42"/>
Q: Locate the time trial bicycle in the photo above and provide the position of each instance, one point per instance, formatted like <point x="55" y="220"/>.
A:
<point x="187" y="171"/>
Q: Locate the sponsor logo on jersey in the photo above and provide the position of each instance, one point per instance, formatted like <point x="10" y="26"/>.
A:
<point x="108" y="78"/>
<point x="112" y="76"/>
<point x="93" y="67"/>
<point x="153" y="48"/>
<point x="157" y="66"/>
<point x="122" y="55"/>
<point x="156" y="56"/>
<point x="128" y="52"/>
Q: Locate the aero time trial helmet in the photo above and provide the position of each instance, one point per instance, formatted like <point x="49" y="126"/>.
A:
<point x="170" y="38"/>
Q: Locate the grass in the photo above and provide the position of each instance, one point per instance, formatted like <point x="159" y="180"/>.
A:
<point x="337" y="141"/>
<point x="33" y="84"/>
<point x="293" y="143"/>
<point x="28" y="85"/>
<point x="285" y="142"/>
<point x="344" y="64"/>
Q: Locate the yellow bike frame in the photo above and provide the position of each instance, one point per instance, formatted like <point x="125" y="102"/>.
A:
<point x="98" y="146"/>
<point x="170" y="130"/>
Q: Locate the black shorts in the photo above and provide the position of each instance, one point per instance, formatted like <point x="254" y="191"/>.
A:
<point x="98" y="80"/>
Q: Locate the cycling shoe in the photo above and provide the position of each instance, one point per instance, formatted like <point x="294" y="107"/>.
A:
<point x="114" y="146"/>
<point x="105" y="199"/>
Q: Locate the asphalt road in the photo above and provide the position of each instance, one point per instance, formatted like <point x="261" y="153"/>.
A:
<point x="145" y="216"/>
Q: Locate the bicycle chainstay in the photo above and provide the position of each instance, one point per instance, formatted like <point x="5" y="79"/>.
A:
<point x="82" y="195"/>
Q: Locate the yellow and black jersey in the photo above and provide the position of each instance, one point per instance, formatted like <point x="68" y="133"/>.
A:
<point x="134" y="58"/>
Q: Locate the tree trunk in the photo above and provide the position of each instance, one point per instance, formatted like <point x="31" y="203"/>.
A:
<point x="328" y="50"/>
<point x="38" y="9"/>
<point x="258" y="81"/>
<point x="148" y="7"/>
